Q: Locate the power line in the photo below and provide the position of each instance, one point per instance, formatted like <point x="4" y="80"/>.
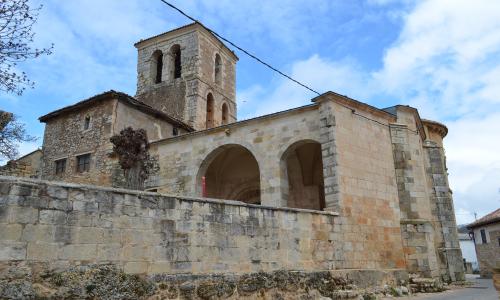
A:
<point x="268" y="65"/>
<point x="241" y="49"/>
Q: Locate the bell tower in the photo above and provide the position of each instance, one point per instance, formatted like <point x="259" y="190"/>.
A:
<point x="189" y="74"/>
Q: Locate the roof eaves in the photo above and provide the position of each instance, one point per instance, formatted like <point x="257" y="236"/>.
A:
<point x="122" y="97"/>
<point x="357" y="102"/>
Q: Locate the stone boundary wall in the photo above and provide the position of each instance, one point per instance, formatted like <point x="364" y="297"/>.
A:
<point x="66" y="225"/>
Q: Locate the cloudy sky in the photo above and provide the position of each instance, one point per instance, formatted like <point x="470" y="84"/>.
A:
<point x="442" y="57"/>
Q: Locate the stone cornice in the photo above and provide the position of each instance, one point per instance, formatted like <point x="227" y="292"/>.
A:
<point x="437" y="127"/>
<point x="354" y="104"/>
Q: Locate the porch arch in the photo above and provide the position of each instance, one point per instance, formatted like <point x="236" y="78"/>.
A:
<point x="231" y="172"/>
<point x="302" y="182"/>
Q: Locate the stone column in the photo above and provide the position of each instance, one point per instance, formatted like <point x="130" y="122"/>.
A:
<point x="416" y="229"/>
<point x="450" y="255"/>
<point x="329" y="152"/>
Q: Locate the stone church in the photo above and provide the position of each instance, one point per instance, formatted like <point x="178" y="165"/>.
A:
<point x="382" y="170"/>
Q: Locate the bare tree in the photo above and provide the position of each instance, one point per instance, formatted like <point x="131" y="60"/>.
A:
<point x="131" y="146"/>
<point x="11" y="133"/>
<point x="16" y="36"/>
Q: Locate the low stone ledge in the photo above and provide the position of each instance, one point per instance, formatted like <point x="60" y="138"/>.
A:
<point x="36" y="182"/>
<point x="39" y="281"/>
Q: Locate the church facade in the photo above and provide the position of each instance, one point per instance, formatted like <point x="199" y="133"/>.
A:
<point x="382" y="170"/>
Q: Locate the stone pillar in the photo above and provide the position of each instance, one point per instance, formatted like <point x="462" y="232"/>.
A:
<point x="329" y="152"/>
<point x="416" y="229"/>
<point x="450" y="255"/>
<point x="270" y="183"/>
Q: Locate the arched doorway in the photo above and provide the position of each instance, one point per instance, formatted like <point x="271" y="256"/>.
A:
<point x="302" y="176"/>
<point x="230" y="172"/>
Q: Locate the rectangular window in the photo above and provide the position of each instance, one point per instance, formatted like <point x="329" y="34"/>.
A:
<point x="175" y="131"/>
<point x="83" y="163"/>
<point x="86" y="123"/>
<point x="483" y="236"/>
<point x="60" y="166"/>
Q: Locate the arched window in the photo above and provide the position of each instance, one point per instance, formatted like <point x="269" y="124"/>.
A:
<point x="210" y="111"/>
<point x="156" y="66"/>
<point x="224" y="113"/>
<point x="218" y="68"/>
<point x="175" y="51"/>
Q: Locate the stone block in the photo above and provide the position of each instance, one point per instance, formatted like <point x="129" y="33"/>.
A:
<point x="132" y="236"/>
<point x="43" y="251"/>
<point x="21" y="190"/>
<point x="136" y="267"/>
<point x="112" y="236"/>
<point x="88" y="235"/>
<point x="80" y="219"/>
<point x="38" y="233"/>
<point x="53" y="217"/>
<point x="109" y="252"/>
<point x="22" y="215"/>
<point x="57" y="192"/>
<point x="136" y="253"/>
<point x="11" y="232"/>
<point x="78" y="252"/>
<point x="12" y="250"/>
<point x="159" y="267"/>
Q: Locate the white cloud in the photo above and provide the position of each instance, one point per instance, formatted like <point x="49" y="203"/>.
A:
<point x="316" y="72"/>
<point x="446" y="54"/>
<point x="446" y="63"/>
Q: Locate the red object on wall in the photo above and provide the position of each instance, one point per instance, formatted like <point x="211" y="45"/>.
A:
<point x="203" y="187"/>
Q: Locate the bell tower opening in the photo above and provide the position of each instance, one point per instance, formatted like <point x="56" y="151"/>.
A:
<point x="177" y="70"/>
<point x="175" y="52"/>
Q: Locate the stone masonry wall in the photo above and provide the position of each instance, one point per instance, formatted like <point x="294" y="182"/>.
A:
<point x="26" y="166"/>
<point x="418" y="232"/>
<point x="267" y="139"/>
<point x="368" y="225"/>
<point x="68" y="225"/>
<point x="488" y="254"/>
<point x="66" y="138"/>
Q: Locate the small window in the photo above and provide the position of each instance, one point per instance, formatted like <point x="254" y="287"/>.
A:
<point x="210" y="111"/>
<point x="83" y="163"/>
<point x="224" y="113"/>
<point x="175" y="131"/>
<point x="157" y="66"/>
<point x="86" y="123"/>
<point x="499" y="242"/>
<point x="60" y="166"/>
<point x="217" y="68"/>
<point x="483" y="236"/>
<point x="176" y="57"/>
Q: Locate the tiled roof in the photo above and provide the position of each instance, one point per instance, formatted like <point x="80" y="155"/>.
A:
<point x="492" y="217"/>
<point x="127" y="99"/>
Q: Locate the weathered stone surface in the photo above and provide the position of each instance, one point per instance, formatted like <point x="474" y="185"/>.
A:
<point x="186" y="235"/>
<point x="108" y="282"/>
